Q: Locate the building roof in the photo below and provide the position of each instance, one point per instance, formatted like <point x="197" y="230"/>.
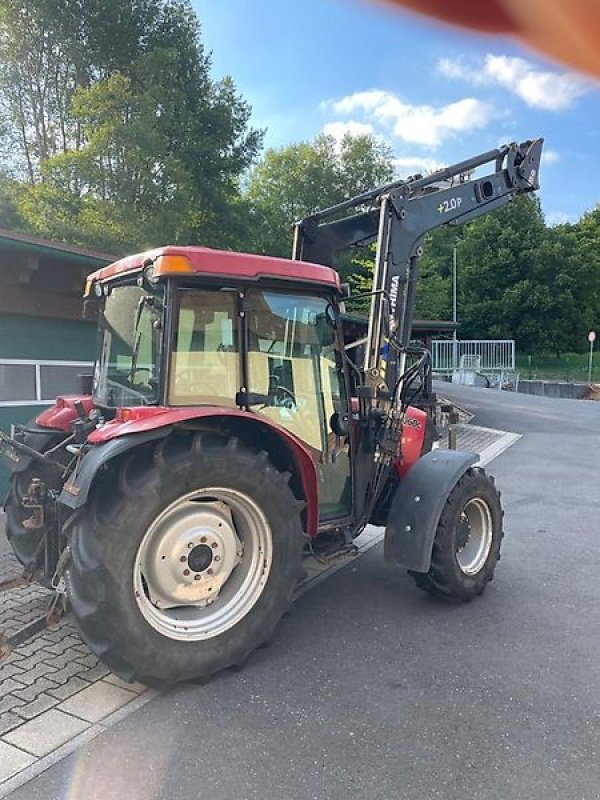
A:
<point x="425" y="326"/>
<point x="34" y="244"/>
<point x="42" y="278"/>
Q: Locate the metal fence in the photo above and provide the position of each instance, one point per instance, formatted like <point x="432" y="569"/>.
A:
<point x="480" y="355"/>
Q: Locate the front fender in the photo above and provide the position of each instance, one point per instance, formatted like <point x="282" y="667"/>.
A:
<point x="418" y="504"/>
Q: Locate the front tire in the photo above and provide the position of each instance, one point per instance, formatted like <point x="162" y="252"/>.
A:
<point x="190" y="566"/>
<point x="467" y="542"/>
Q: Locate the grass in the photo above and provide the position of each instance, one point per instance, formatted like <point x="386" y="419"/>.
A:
<point x="568" y="367"/>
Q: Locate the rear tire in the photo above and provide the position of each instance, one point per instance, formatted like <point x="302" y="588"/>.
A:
<point x="129" y="549"/>
<point x="467" y="542"/>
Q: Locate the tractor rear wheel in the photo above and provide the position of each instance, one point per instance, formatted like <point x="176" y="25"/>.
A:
<point x="467" y="542"/>
<point x="184" y="562"/>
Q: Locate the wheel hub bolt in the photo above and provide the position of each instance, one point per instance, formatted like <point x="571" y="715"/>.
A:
<point x="214" y="545"/>
<point x="183" y="558"/>
<point x="186" y="572"/>
<point x="210" y="572"/>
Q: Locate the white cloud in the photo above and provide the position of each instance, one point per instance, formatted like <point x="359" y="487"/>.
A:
<point x="409" y="165"/>
<point x="550" y="156"/>
<point x="559" y="217"/>
<point x="552" y="91"/>
<point x="456" y="69"/>
<point x="423" y="124"/>
<point x="538" y="88"/>
<point x="340" y="129"/>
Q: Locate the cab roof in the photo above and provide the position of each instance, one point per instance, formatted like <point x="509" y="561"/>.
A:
<point x="176" y="261"/>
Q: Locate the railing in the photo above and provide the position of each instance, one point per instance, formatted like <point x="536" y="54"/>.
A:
<point x="480" y="355"/>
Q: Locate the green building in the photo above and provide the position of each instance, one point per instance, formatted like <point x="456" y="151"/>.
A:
<point x="44" y="342"/>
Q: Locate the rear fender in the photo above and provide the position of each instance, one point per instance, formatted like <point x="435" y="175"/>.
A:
<point x="418" y="504"/>
<point x="75" y="492"/>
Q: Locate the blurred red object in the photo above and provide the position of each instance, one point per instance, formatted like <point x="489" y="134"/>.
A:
<point x="565" y="30"/>
<point x="488" y="15"/>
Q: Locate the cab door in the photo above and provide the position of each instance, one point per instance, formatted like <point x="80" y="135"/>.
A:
<point x="293" y="360"/>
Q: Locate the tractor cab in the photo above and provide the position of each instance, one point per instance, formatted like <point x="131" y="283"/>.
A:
<point x="188" y="327"/>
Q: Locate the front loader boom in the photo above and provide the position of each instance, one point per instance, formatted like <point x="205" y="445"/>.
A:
<point x="397" y="216"/>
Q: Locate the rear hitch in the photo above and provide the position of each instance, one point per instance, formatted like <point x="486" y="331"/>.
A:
<point x="56" y="608"/>
<point x="34" y="500"/>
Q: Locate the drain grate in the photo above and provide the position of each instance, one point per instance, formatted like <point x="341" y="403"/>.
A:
<point x="472" y="438"/>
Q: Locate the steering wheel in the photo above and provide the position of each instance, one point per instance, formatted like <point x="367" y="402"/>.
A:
<point x="133" y="373"/>
<point x="282" y="396"/>
<point x="285" y="398"/>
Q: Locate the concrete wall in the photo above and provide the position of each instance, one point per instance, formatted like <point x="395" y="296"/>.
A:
<point x="569" y="391"/>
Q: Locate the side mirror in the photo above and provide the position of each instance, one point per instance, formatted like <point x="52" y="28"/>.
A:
<point x="325" y="327"/>
<point x="339" y="423"/>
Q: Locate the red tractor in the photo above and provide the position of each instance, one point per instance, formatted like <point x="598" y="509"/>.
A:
<point x="230" y="428"/>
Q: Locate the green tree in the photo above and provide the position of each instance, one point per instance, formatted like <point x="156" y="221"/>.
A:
<point x="294" y="181"/>
<point x="498" y="272"/>
<point x="520" y="279"/>
<point x="135" y="130"/>
<point x="434" y="285"/>
<point x="10" y="217"/>
<point x="580" y="276"/>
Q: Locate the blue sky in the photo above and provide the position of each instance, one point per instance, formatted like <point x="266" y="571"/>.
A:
<point x="436" y="95"/>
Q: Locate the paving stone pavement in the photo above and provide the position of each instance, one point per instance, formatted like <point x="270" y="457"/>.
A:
<point x="42" y="680"/>
<point x="52" y="688"/>
<point x="18" y="606"/>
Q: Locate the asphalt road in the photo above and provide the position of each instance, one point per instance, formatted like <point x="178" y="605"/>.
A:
<point x="373" y="691"/>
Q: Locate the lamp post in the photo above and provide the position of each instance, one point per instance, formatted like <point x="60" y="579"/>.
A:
<point x="591" y="340"/>
<point x="454" y="311"/>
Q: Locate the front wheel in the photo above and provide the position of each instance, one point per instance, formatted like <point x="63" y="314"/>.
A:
<point x="467" y="542"/>
<point x="190" y="566"/>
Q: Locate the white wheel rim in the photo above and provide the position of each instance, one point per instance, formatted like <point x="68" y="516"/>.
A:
<point x="477" y="519"/>
<point x="203" y="564"/>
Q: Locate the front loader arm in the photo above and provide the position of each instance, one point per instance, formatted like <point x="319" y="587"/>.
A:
<point x="398" y="216"/>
